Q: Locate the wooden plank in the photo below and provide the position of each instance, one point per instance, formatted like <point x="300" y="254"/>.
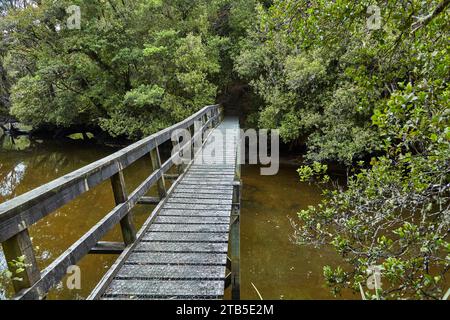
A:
<point x="193" y="220"/>
<point x="171" y="272"/>
<point x="186" y="236"/>
<point x="107" y="247"/>
<point x="211" y="174"/>
<point x="218" y="247"/>
<point x="149" y="200"/>
<point x="196" y="258"/>
<point x="194" y="213"/>
<point x="171" y="176"/>
<point x="189" y="228"/>
<point x="206" y="186"/>
<point x="193" y="200"/>
<point x="203" y="196"/>
<point x="193" y="206"/>
<point x="203" y="191"/>
<point x="199" y="183"/>
<point x="162" y="288"/>
<point x="209" y="181"/>
<point x="211" y="171"/>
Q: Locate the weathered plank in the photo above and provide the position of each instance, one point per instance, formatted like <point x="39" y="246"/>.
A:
<point x="195" y="258"/>
<point x="209" y="174"/>
<point x="194" y="206"/>
<point x="194" y="213"/>
<point x="203" y="188"/>
<point x="218" y="247"/>
<point x="193" y="220"/>
<point x="193" y="200"/>
<point x="161" y="288"/>
<point x="203" y="191"/>
<point x="186" y="236"/>
<point x="171" y="272"/>
<point x="204" y="196"/>
<point x="106" y="247"/>
<point x="149" y="200"/>
<point x="189" y="227"/>
<point x="207" y="181"/>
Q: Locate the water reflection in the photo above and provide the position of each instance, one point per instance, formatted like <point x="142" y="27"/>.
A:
<point x="12" y="179"/>
<point x="15" y="143"/>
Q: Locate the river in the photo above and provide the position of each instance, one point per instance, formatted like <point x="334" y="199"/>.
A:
<point x="270" y="262"/>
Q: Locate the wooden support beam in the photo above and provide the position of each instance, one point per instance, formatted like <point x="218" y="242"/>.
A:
<point x="20" y="245"/>
<point x="228" y="280"/>
<point x="197" y="140"/>
<point x="121" y="196"/>
<point x="235" y="232"/>
<point x="107" y="247"/>
<point x="235" y="243"/>
<point x="156" y="165"/>
<point x="228" y="263"/>
<point x="149" y="200"/>
<point x="171" y="176"/>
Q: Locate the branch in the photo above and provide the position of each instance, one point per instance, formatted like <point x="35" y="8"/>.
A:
<point x="428" y="18"/>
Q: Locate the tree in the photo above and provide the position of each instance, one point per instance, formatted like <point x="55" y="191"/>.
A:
<point x="133" y="68"/>
<point x="321" y="72"/>
<point x="394" y="212"/>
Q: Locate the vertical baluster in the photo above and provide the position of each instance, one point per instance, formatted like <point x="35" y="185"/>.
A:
<point x="177" y="144"/>
<point x="121" y="196"/>
<point x="156" y="165"/>
<point x="17" y="246"/>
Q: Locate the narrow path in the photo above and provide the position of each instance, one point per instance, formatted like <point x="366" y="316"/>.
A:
<point x="183" y="253"/>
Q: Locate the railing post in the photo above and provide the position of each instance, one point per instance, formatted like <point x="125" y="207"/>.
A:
<point x="18" y="246"/>
<point x="156" y="165"/>
<point x="208" y="117"/>
<point x="235" y="228"/>
<point x="175" y="144"/>
<point x="120" y="196"/>
<point x="197" y="141"/>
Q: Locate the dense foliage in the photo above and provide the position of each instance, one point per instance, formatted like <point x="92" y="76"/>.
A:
<point x="391" y="93"/>
<point x="322" y="72"/>
<point x="133" y="67"/>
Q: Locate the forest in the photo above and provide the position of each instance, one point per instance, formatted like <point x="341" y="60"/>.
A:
<point x="362" y="85"/>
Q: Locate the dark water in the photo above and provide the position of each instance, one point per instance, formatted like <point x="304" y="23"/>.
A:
<point x="278" y="268"/>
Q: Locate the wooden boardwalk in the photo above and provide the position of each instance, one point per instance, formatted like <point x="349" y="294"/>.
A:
<point x="182" y="254"/>
<point x="187" y="248"/>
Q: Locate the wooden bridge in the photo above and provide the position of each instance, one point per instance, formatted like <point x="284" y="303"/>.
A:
<point x="188" y="248"/>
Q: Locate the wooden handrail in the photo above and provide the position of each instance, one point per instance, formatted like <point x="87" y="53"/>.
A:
<point x="25" y="210"/>
<point x="18" y="214"/>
